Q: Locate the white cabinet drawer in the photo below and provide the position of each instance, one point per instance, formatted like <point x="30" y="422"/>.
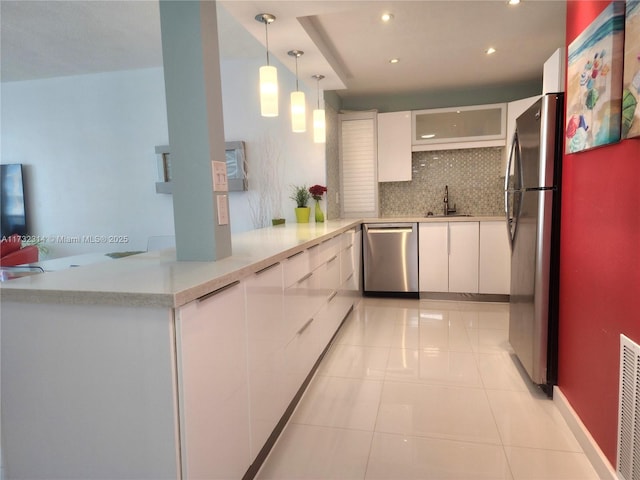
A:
<point x="347" y="263"/>
<point x="347" y="238"/>
<point x="326" y="278"/>
<point x="300" y="302"/>
<point x="300" y="355"/>
<point x="324" y="251"/>
<point x="295" y="267"/>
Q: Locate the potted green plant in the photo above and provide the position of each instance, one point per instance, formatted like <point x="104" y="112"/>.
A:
<point x="301" y="196"/>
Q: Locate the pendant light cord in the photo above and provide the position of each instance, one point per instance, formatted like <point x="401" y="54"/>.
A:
<point x="266" y="34"/>
<point x="297" y="73"/>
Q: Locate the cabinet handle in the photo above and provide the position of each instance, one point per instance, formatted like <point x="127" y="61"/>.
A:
<point x="349" y="277"/>
<point x="332" y="259"/>
<point x="267" y="268"/>
<point x="332" y="296"/>
<point x="305" y="277"/>
<point x="295" y="254"/>
<point x="305" y="326"/>
<point x="207" y="296"/>
<point x="313" y="246"/>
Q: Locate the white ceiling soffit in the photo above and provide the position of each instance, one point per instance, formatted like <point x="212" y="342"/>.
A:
<point x="288" y="33"/>
<point x="440" y="43"/>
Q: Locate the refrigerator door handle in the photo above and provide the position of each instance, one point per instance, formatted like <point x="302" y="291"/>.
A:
<point x="510" y="193"/>
<point x="510" y="160"/>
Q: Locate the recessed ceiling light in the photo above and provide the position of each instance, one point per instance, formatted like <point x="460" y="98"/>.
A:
<point x="394" y="60"/>
<point x="513" y="2"/>
<point x="490" y="51"/>
<point x="386" y="17"/>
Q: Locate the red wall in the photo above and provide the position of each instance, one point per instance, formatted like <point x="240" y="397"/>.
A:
<point x="599" y="268"/>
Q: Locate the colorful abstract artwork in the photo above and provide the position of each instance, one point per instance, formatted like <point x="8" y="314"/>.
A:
<point x="594" y="82"/>
<point x="631" y="78"/>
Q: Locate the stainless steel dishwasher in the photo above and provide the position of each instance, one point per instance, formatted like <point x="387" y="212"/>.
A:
<point x="390" y="253"/>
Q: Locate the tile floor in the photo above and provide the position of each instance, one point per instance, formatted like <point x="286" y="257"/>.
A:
<point x="422" y="389"/>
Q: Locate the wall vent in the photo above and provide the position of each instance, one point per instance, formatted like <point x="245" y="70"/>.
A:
<point x="629" y="411"/>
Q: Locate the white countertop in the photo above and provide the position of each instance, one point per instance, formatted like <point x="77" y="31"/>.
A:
<point x="157" y="279"/>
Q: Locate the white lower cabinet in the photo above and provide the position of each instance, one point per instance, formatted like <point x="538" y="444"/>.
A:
<point x="88" y="392"/>
<point x="213" y="384"/>
<point x="448" y="257"/>
<point x="155" y="392"/>
<point x="267" y="337"/>
<point x="495" y="258"/>
<point x="464" y="257"/>
<point x="433" y="257"/>
<point x="350" y="265"/>
<point x="464" y="240"/>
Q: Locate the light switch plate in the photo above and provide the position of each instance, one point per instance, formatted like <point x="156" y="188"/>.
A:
<point x="219" y="172"/>
<point x="223" y="210"/>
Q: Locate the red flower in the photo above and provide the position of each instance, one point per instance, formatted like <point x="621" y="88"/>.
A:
<point x="317" y="191"/>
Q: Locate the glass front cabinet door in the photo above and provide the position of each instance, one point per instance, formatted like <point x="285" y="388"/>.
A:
<point x="459" y="127"/>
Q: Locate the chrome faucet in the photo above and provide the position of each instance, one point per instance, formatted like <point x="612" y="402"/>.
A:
<point x="448" y="210"/>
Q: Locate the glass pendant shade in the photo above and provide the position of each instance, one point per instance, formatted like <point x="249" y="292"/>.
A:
<point x="298" y="112"/>
<point x="268" y="91"/>
<point x="319" y="127"/>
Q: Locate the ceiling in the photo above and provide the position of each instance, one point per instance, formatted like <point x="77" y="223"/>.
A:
<point x="440" y="44"/>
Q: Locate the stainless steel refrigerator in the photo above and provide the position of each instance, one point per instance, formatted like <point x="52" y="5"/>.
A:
<point x="532" y="207"/>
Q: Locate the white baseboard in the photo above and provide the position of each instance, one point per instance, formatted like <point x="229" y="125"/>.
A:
<point x="594" y="454"/>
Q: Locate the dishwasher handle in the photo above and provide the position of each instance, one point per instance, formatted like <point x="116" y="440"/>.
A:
<point x="390" y="229"/>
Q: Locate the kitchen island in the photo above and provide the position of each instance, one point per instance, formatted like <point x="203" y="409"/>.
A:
<point x="145" y="367"/>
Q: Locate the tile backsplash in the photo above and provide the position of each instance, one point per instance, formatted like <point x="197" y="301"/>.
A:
<point x="474" y="176"/>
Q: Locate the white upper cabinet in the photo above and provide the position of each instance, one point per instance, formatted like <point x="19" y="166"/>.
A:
<point x="514" y="110"/>
<point x="459" y="127"/>
<point x="394" y="147"/>
<point x="553" y="77"/>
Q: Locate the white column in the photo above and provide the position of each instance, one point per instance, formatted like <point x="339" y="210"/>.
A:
<point x="196" y="130"/>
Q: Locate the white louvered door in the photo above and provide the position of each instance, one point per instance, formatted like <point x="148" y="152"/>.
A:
<point x="358" y="165"/>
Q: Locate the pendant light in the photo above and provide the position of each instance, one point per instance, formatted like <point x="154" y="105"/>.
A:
<point x="319" y="126"/>
<point x="298" y="108"/>
<point x="268" y="75"/>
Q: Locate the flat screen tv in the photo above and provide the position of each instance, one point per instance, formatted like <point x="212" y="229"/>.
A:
<point x="12" y="207"/>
